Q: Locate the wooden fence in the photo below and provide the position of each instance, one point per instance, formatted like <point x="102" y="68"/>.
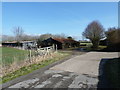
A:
<point x="33" y="57"/>
<point x="42" y="51"/>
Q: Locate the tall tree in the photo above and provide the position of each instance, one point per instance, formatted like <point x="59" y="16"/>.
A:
<point x="18" y="32"/>
<point x="113" y="35"/>
<point x="113" y="38"/>
<point x="94" y="32"/>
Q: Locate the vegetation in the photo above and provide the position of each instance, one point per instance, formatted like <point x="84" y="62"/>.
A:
<point x="28" y="69"/>
<point x="86" y="43"/>
<point x="70" y="38"/>
<point x="112" y="69"/>
<point x="87" y="46"/>
<point x="9" y="55"/>
<point x="94" y="32"/>
<point x="113" y="35"/>
<point x="113" y="39"/>
<point x="18" y="32"/>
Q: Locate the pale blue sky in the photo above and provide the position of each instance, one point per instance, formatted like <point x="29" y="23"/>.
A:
<point x="69" y="18"/>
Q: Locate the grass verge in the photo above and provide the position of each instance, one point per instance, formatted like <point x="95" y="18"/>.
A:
<point x="112" y="69"/>
<point x="28" y="69"/>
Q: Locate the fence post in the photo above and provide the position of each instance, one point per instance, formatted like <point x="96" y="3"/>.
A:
<point x="56" y="47"/>
<point x="53" y="47"/>
<point x="30" y="55"/>
<point x="47" y="51"/>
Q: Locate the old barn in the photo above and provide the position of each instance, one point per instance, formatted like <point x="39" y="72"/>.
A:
<point x="61" y="43"/>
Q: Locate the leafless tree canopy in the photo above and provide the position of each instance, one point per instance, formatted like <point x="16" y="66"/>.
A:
<point x="7" y="38"/>
<point x="113" y="35"/>
<point x="94" y="32"/>
<point x="113" y="39"/>
<point x="45" y="36"/>
<point x="26" y="37"/>
<point x="18" y="32"/>
<point x="62" y="35"/>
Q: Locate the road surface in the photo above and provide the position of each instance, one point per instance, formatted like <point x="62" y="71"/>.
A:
<point x="80" y="71"/>
<point x="85" y="64"/>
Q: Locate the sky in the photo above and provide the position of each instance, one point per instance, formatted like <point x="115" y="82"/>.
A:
<point x="70" y="18"/>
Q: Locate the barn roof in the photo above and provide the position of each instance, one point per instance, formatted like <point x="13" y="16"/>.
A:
<point x="64" y="40"/>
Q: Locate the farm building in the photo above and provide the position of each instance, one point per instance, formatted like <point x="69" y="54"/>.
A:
<point x="22" y="44"/>
<point x="60" y="42"/>
<point x="11" y="44"/>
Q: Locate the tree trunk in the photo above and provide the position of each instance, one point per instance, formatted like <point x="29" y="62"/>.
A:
<point x="95" y="44"/>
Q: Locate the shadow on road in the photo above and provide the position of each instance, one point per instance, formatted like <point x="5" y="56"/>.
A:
<point x="103" y="83"/>
<point x="109" y="73"/>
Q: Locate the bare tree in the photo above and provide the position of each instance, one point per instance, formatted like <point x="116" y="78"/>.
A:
<point x="94" y="32"/>
<point x="7" y="38"/>
<point x="18" y="32"/>
<point x="62" y="35"/>
<point x="113" y="38"/>
<point x="45" y="36"/>
<point x="26" y="37"/>
<point x="113" y="35"/>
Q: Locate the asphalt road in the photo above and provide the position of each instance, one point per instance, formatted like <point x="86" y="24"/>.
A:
<point x="85" y="64"/>
<point x="79" y="71"/>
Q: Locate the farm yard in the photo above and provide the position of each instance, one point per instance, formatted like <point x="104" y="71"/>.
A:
<point x="63" y="45"/>
<point x="10" y="55"/>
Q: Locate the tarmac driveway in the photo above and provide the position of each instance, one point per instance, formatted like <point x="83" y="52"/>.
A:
<point x="86" y="63"/>
<point x="80" y="71"/>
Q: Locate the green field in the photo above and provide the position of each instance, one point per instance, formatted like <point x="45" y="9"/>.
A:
<point x="9" y="55"/>
<point x="87" y="44"/>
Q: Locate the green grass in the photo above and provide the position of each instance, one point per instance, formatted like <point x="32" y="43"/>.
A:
<point x="100" y="47"/>
<point x="112" y="69"/>
<point x="87" y="44"/>
<point x="71" y="48"/>
<point x="29" y="69"/>
<point x="89" y="47"/>
<point x="9" y="55"/>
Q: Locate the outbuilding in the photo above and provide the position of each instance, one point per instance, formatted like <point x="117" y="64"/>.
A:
<point x="61" y="43"/>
